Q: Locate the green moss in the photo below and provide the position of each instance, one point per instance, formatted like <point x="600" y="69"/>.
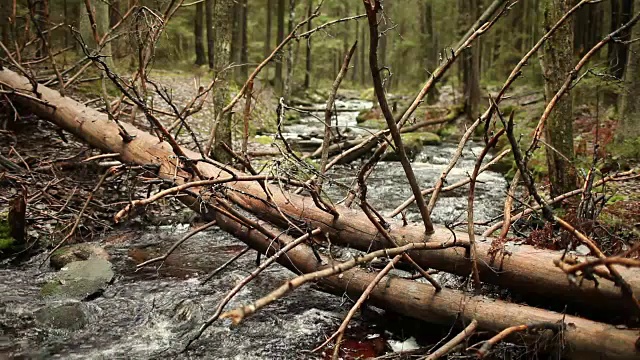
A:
<point x="6" y="241"/>
<point x="50" y="288"/>
<point x="615" y="198"/>
<point x="377" y="124"/>
<point x="447" y="130"/>
<point x="264" y="139"/>
<point x="422" y="138"/>
<point x="368" y="94"/>
<point x="626" y="150"/>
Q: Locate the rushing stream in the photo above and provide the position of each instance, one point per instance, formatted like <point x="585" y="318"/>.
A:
<point x="150" y="313"/>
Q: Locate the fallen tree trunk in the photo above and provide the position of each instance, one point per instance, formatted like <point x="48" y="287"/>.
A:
<point x="522" y="268"/>
<point x="583" y="339"/>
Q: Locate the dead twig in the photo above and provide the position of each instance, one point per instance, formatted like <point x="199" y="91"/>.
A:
<point x="455" y="341"/>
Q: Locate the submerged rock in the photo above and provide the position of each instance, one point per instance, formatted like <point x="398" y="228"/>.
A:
<point x="80" y="280"/>
<point x="65" y="317"/>
<point x="76" y="252"/>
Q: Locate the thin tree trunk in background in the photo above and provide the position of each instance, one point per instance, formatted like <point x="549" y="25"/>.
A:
<point x="267" y="40"/>
<point x="101" y="12"/>
<point x="588" y="28"/>
<point x="557" y="62"/>
<point x="363" y="71"/>
<point x="114" y="12"/>
<point x="222" y="23"/>
<point x="211" y="35"/>
<point x="356" y="56"/>
<point x="244" y="50"/>
<point x="236" y="38"/>
<point x="279" y="37"/>
<point x="289" y="57"/>
<point x="5" y="13"/>
<point x="470" y="61"/>
<point x="621" y="12"/>
<point x="307" y="72"/>
<point x="201" y="58"/>
<point x="629" y="126"/>
<point x="430" y="44"/>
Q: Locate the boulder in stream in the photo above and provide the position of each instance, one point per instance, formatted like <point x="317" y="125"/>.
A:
<point x="76" y="252"/>
<point x="80" y="280"/>
<point x="413" y="142"/>
<point x="70" y="316"/>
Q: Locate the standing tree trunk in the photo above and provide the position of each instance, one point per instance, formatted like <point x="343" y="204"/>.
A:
<point x="279" y="38"/>
<point x="114" y="12"/>
<point x="363" y="71"/>
<point x="5" y="14"/>
<point x="290" y="60"/>
<point x="244" y="50"/>
<point x="100" y="11"/>
<point x="267" y="40"/>
<point x="470" y="63"/>
<point x="209" y="4"/>
<point x="236" y="35"/>
<point x="307" y="72"/>
<point x="556" y="64"/>
<point x="201" y="58"/>
<point x="629" y="126"/>
<point x="430" y="45"/>
<point x="223" y="26"/>
<point x="621" y="12"/>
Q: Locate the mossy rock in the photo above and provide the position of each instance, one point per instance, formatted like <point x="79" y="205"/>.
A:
<point x="77" y="252"/>
<point x="422" y="137"/>
<point x="80" y="280"/>
<point x="377" y="124"/>
<point x="413" y="145"/>
<point x="6" y="241"/>
<point x="264" y="139"/>
<point x="64" y="317"/>
<point x="447" y="131"/>
<point x="8" y="244"/>
<point x="368" y="94"/>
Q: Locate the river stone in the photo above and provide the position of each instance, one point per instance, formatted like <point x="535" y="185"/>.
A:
<point x="80" y="280"/>
<point x="66" y="317"/>
<point x="413" y="143"/>
<point x="76" y="252"/>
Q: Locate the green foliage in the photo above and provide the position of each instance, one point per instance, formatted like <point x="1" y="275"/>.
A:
<point x="6" y="241"/>
<point x="626" y="150"/>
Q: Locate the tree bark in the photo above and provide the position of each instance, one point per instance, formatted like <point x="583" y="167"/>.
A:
<point x="201" y="58"/>
<point x="279" y="38"/>
<point x="621" y="12"/>
<point x="557" y="62"/>
<point x="307" y="72"/>
<point x="629" y="126"/>
<point x="5" y="14"/>
<point x="101" y="15"/>
<point x="223" y="25"/>
<point x="211" y="32"/>
<point x="471" y="62"/>
<point x="244" y="49"/>
<point x="523" y="268"/>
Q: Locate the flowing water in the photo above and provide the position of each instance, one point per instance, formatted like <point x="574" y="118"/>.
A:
<point x="150" y="313"/>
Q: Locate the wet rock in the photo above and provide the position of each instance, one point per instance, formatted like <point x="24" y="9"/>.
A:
<point x="76" y="252"/>
<point x="413" y="145"/>
<point x="80" y="280"/>
<point x="65" y="317"/>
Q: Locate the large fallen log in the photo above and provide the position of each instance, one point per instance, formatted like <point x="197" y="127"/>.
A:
<point x="581" y="339"/>
<point x="522" y="268"/>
